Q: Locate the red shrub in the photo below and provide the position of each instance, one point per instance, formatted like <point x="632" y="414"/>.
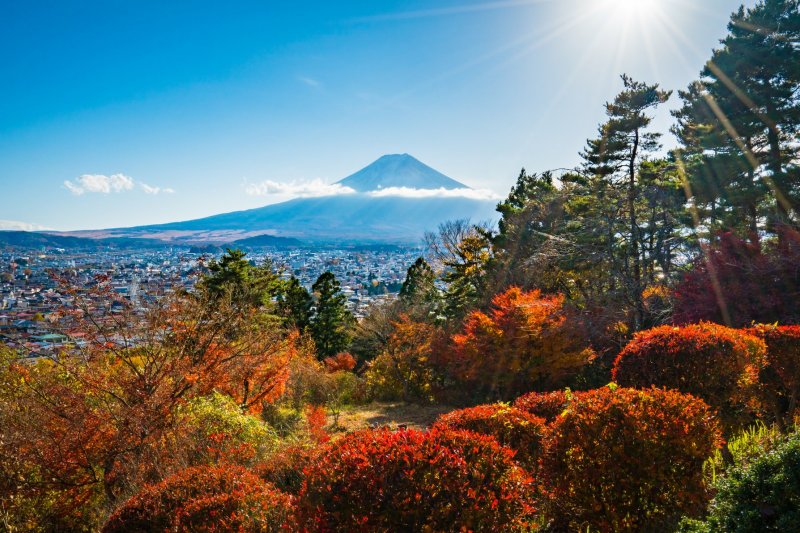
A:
<point x="525" y="342"/>
<point x="340" y="362"/>
<point x="513" y="428"/>
<point x="737" y="282"/>
<point x="781" y="376"/>
<point x="628" y="460"/>
<point x="413" y="481"/>
<point x="715" y="363"/>
<point x="547" y="405"/>
<point x="215" y="498"/>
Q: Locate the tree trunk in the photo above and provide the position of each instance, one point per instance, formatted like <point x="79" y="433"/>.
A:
<point x="638" y="311"/>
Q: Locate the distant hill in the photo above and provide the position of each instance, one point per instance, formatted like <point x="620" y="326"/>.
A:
<point x="270" y="241"/>
<point x="399" y="170"/>
<point x="397" y="200"/>
<point x="30" y="239"/>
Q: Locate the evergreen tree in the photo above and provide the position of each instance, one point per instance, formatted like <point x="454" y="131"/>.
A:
<point x="247" y="284"/>
<point x="420" y="284"/>
<point x="332" y="324"/>
<point x="739" y="122"/>
<point x="294" y="303"/>
<point x="612" y="162"/>
<point x="529" y="227"/>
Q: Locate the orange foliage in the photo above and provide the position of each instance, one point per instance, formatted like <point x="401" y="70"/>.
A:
<point x="404" y="370"/>
<point x="101" y="419"/>
<point x="511" y="427"/>
<point x="713" y="362"/>
<point x="628" y="460"/>
<point x="441" y="480"/>
<point x="205" y="499"/>
<point x="781" y="376"/>
<point x="316" y="420"/>
<point x="340" y="362"/>
<point x="526" y="342"/>
<point x="547" y="405"/>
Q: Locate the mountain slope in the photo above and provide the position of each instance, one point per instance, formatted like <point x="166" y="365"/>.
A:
<point x="349" y="217"/>
<point x="399" y="170"/>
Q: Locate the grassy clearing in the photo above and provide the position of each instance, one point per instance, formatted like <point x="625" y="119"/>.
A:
<point x="357" y="417"/>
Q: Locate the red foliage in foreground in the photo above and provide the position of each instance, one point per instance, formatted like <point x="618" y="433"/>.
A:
<point x="513" y="428"/>
<point x="547" y="405"/>
<point x="738" y="282"/>
<point x="415" y="481"/>
<point x="781" y="377"/>
<point x="525" y="342"/>
<point x="715" y="363"/>
<point x="628" y="460"/>
<point x="208" y="498"/>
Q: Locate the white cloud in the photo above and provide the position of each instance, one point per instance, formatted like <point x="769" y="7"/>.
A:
<point x="311" y="82"/>
<point x="408" y="192"/>
<point x="302" y="189"/>
<point x="14" y="225"/>
<point x="156" y="190"/>
<point x="101" y="184"/>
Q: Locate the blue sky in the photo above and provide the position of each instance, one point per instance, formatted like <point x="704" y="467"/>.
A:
<point x="174" y="110"/>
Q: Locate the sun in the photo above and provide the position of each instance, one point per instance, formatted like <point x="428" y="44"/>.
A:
<point x="633" y="8"/>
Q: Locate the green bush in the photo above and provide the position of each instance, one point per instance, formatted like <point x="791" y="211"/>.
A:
<point x="762" y="494"/>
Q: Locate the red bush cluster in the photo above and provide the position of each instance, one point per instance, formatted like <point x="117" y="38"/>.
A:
<point x="207" y="498"/>
<point x="511" y="427"/>
<point x="740" y="281"/>
<point x="781" y="376"/>
<point x="547" y="405"/>
<point x="413" y="481"/>
<point x="628" y="460"/>
<point x="713" y="362"/>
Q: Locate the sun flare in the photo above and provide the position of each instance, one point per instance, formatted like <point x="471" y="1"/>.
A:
<point x="633" y="8"/>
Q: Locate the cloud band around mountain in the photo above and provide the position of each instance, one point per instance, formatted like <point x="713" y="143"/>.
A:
<point x="318" y="188"/>
<point x="408" y="192"/>
<point x="116" y="183"/>
<point x="310" y="189"/>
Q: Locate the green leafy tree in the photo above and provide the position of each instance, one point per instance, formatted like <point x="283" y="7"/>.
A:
<point x="332" y="323"/>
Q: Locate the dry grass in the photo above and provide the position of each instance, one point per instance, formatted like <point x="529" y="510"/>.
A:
<point x="389" y="414"/>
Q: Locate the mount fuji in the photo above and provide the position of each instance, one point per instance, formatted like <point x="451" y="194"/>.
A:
<point x="396" y="199"/>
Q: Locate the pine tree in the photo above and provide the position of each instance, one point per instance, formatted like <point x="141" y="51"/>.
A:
<point x="294" y="303"/>
<point x="247" y="284"/>
<point x="332" y="324"/>
<point x="739" y="122"/>
<point x="419" y="286"/>
<point x="612" y="161"/>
